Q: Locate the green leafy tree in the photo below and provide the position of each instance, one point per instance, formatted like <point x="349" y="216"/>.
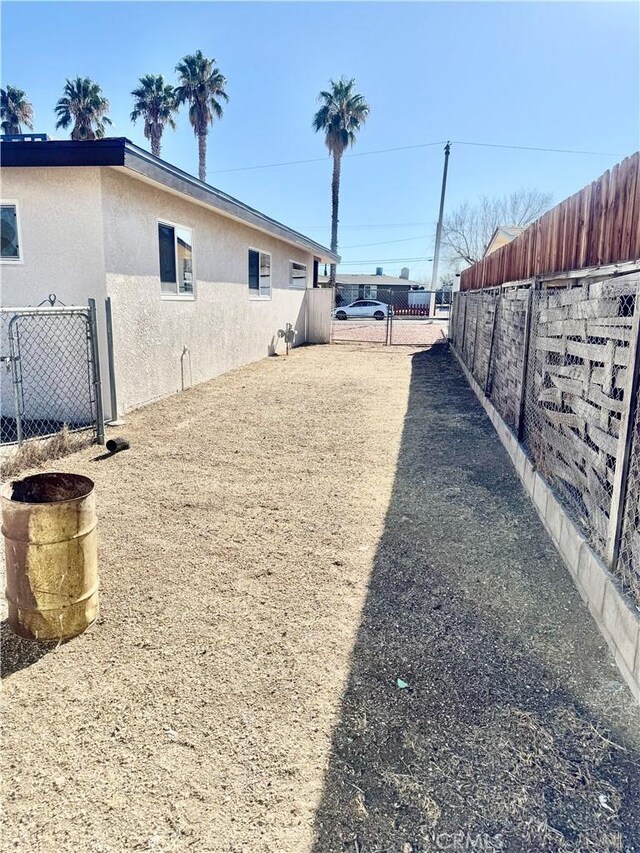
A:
<point x="202" y="86"/>
<point x="154" y="101"/>
<point x="15" y="110"/>
<point x="83" y="105"/>
<point x="340" y="118"/>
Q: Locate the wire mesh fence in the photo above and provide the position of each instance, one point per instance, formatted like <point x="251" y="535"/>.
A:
<point x="504" y="383"/>
<point x="50" y="374"/>
<point x="577" y="379"/>
<point x="559" y="365"/>
<point x="628" y="558"/>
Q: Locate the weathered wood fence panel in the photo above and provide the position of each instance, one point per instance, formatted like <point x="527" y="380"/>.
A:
<point x="596" y="226"/>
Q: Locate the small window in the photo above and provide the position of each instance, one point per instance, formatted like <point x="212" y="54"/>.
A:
<point x="259" y="274"/>
<point x="298" y="275"/>
<point x="176" y="260"/>
<point x="9" y="233"/>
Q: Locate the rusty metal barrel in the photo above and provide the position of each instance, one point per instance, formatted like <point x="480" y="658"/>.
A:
<point x="49" y="529"/>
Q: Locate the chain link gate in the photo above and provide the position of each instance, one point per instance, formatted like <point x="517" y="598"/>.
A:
<point x="389" y="316"/>
<point x="51" y="376"/>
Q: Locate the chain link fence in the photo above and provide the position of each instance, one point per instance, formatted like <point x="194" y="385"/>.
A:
<point x="50" y="372"/>
<point x="559" y="365"/>
<point x="628" y="561"/>
<point x="389" y="316"/>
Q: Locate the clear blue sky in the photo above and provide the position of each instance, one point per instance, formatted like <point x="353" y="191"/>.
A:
<point x="541" y="74"/>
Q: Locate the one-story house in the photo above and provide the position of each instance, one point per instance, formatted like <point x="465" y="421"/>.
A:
<point x="399" y="291"/>
<point x="187" y="267"/>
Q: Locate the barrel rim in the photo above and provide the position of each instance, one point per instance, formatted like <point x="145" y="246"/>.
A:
<point x="6" y="491"/>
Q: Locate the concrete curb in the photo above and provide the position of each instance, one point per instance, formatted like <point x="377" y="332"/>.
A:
<point x="618" y="621"/>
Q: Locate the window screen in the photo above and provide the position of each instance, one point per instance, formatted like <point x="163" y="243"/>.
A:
<point x="167" y="246"/>
<point x="298" y="275"/>
<point x="265" y="275"/>
<point x="254" y="270"/>
<point x="185" y="260"/>
<point x="9" y="233"/>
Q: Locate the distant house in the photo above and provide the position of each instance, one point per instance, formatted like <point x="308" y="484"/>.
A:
<point x="501" y="236"/>
<point x="394" y="290"/>
<point x="188" y="268"/>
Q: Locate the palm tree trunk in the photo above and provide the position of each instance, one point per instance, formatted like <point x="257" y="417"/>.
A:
<point x="155" y="144"/>
<point x="335" y="198"/>
<point x="202" y="155"/>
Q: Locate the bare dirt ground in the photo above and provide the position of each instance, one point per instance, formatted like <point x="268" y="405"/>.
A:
<point x="331" y="621"/>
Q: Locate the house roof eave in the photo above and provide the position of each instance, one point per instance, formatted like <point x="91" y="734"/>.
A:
<point x="121" y="152"/>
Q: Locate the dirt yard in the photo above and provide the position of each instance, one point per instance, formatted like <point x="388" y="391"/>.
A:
<point x="331" y="621"/>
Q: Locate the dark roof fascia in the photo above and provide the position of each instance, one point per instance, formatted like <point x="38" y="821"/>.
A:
<point x="63" y="152"/>
<point x="119" y="151"/>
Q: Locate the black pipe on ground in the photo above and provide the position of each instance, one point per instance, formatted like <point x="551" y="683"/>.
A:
<point x="115" y="445"/>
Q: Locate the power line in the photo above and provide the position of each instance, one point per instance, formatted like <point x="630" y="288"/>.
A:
<point x="534" y="148"/>
<point x="378" y="225"/>
<point x="387" y="242"/>
<point x="383" y="261"/>
<point x="420" y="145"/>
<point x="324" y="159"/>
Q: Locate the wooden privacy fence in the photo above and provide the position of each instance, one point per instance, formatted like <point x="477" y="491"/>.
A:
<point x="596" y="226"/>
<point x="561" y="367"/>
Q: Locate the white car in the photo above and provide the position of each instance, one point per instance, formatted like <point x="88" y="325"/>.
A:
<point x="362" y="308"/>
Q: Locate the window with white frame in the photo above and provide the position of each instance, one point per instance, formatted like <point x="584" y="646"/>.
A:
<point x="175" y="246"/>
<point x="9" y="233"/>
<point x="259" y="274"/>
<point x="297" y="275"/>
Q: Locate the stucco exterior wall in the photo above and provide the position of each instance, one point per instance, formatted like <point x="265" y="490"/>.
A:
<point x="60" y="218"/>
<point x="61" y="253"/>
<point x="223" y="327"/>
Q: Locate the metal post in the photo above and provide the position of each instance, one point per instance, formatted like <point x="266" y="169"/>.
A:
<point x="525" y="363"/>
<point x="111" y="359"/>
<point x="97" y="382"/>
<point x="625" y="441"/>
<point x="436" y="254"/>
<point x="15" y="376"/>
<point x="389" y="324"/>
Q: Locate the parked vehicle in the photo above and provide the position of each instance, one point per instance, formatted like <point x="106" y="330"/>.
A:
<point x="362" y="308"/>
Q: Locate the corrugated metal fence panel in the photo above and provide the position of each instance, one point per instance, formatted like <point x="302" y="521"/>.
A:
<point x="599" y="225"/>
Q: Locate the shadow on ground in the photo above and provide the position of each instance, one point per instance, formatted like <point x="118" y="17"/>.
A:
<point x="17" y="653"/>
<point x="483" y="710"/>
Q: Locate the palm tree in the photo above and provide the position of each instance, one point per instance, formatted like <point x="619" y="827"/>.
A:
<point x="201" y="85"/>
<point x="15" y="109"/>
<point x="83" y="104"/>
<point x="155" y="102"/>
<point x="341" y="116"/>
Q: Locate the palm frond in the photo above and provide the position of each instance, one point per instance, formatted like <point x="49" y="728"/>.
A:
<point x="341" y="116"/>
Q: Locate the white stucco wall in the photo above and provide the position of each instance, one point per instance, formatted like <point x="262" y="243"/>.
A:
<point x="62" y="252"/>
<point x="60" y="213"/>
<point x="222" y="327"/>
<point x="92" y="232"/>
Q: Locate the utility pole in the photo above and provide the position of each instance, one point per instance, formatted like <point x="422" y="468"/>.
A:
<point x="436" y="254"/>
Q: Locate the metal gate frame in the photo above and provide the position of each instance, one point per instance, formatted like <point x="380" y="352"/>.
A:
<point x="93" y="360"/>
